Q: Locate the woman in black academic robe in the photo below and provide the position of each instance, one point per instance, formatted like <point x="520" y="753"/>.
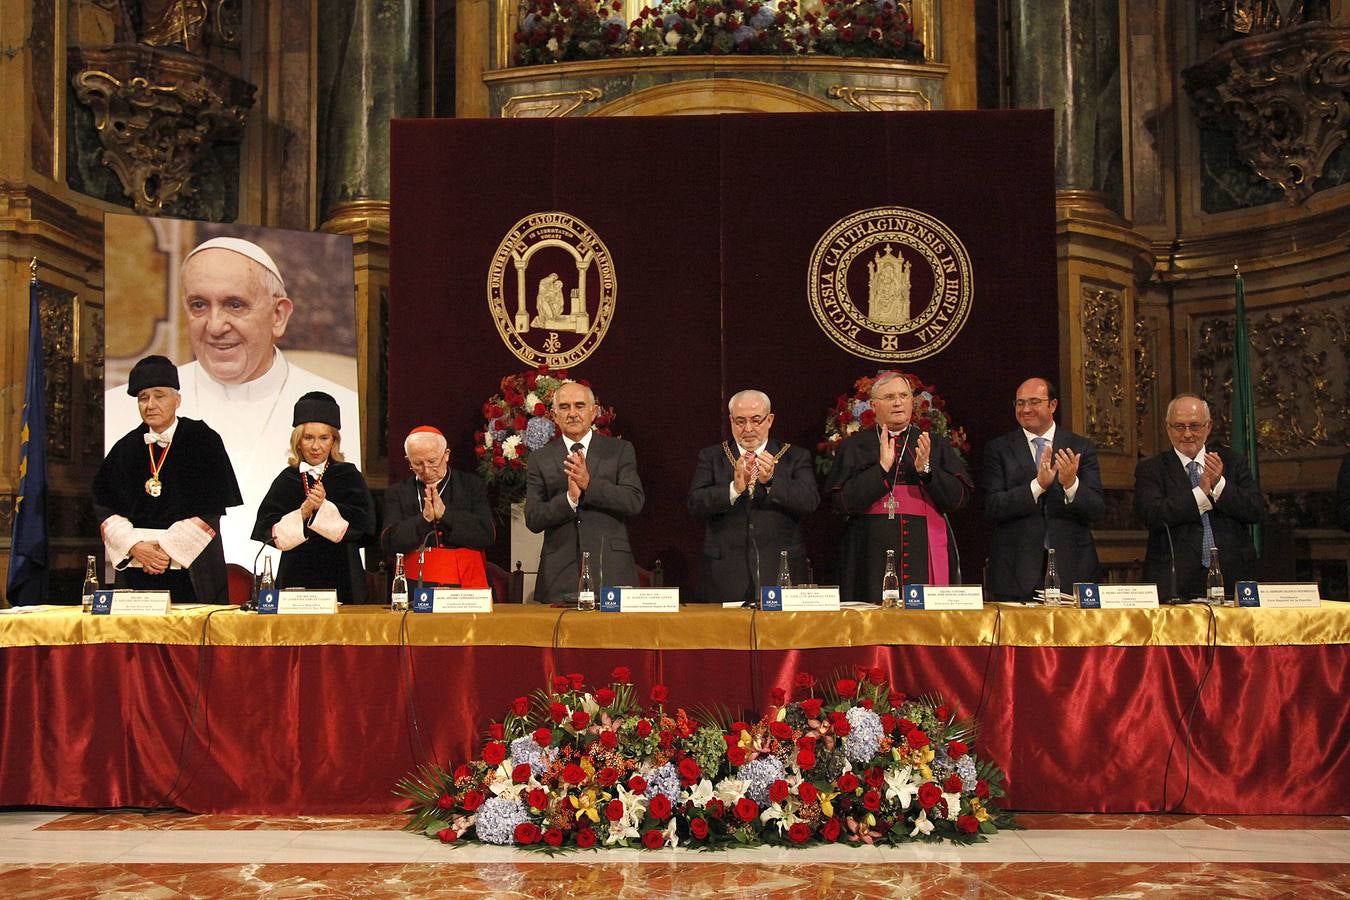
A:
<point x="318" y="511"/>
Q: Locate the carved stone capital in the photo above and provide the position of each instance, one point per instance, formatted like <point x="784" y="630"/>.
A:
<point x="550" y="105"/>
<point x="157" y="112"/>
<point x="1285" y="96"/>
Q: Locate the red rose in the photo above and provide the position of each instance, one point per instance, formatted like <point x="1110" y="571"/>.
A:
<point x="637" y="784"/>
<point x="868" y="418"/>
<point x="698" y="828"/>
<point x="953" y="784"/>
<point x="807" y="792"/>
<point x="520" y="706"/>
<point x="842" y="728"/>
<point x="517" y="463"/>
<point x="622" y="674"/>
<point x="847" y="782"/>
<point x="543" y="736"/>
<point x="586" y="837"/>
<point x="846" y="687"/>
<point x="580" y="719"/>
<point x="865" y="704"/>
<point x="609" y="739"/>
<point x="689" y="769"/>
<point x="917" y="739"/>
<point x="780" y="730"/>
<point x="557" y="712"/>
<point x="806" y="759"/>
<point x="957" y="749"/>
<point x="496" y="731"/>
<point x="905" y="725"/>
<point x="897" y="699"/>
<point x="538" y="798"/>
<point x="716" y="808"/>
<point x="968" y="824"/>
<point x="644" y="728"/>
<point x="806" y="742"/>
<point x="887" y="723"/>
<point x="521" y="773"/>
<point x="746" y="809"/>
<point x="445" y="801"/>
<point x="875" y="777"/>
<point x="875" y="675"/>
<point x="803" y="680"/>
<point x="831" y="830"/>
<point x="527" y="833"/>
<point x="553" y="837"/>
<point x="778" y="696"/>
<point x="982" y="789"/>
<point x="472" y="800"/>
<point x="494" y="753"/>
<point x="659" y="807"/>
<point x="573" y="774"/>
<point x="604" y="697"/>
<point x="929" y="794"/>
<point x="736" y="756"/>
<point x="540" y="409"/>
<point x="607" y="776"/>
<point x="660" y="693"/>
<point x="518" y="423"/>
<point x="448" y="835"/>
<point x="778" y="791"/>
<point x="614" y="810"/>
<point x="811" y="708"/>
<point x="653" y="839"/>
<point x="736" y="728"/>
<point x="799" y="833"/>
<point x="576" y="680"/>
<point x="872" y="801"/>
<point x="560" y="683"/>
<point x="943" y="713"/>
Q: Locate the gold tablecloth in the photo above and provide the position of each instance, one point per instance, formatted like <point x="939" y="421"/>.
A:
<point x="695" y="627"/>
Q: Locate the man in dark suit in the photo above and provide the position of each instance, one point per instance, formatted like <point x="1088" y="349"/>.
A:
<point x="1043" y="491"/>
<point x="1202" y="498"/>
<point x="580" y="491"/>
<point x="752" y="493"/>
<point x="437" y="506"/>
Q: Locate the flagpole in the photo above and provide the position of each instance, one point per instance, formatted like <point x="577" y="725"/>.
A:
<point x="1244" y="401"/>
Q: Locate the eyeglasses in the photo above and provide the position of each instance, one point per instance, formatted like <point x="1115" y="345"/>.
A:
<point x="1033" y="402"/>
<point x="1184" y="427"/>
<point x="756" y="421"/>
<point x="893" y="398"/>
<point x="419" y="465"/>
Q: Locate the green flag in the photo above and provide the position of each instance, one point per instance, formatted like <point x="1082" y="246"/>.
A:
<point x="1244" y="407"/>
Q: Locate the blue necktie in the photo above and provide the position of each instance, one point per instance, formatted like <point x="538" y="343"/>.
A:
<point x="1206" y="539"/>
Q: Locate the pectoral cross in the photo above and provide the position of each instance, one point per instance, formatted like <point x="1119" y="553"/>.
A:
<point x="891" y="505"/>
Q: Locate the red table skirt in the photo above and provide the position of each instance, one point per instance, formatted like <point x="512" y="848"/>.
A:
<point x="330" y="729"/>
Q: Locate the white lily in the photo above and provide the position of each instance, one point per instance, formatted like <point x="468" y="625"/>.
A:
<point x="672" y="838"/>
<point x="620" y="831"/>
<point x="729" y="790"/>
<point x="921" y="824"/>
<point x="699" y="794"/>
<point x="901" y="786"/>
<point x="953" y="805"/>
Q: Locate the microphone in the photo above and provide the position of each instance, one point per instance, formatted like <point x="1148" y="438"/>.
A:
<point x="1172" y="563"/>
<point x="252" y="603"/>
<point x="956" y="551"/>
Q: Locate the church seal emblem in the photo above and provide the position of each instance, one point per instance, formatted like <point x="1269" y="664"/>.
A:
<point x="890" y="284"/>
<point x="551" y="289"/>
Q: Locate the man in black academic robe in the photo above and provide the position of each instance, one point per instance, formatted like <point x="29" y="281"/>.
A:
<point x="160" y="493"/>
<point x="859" y="487"/>
<point x="752" y="493"/>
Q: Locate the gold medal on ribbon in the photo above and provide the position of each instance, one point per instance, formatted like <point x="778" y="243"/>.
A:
<point x="154" y="487"/>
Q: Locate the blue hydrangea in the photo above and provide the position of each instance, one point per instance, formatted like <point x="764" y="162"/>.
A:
<point x="859" y="407"/>
<point x="527" y="750"/>
<point x="864" y="737"/>
<point x="761" y="772"/>
<point x="763" y="18"/>
<point x="527" y="23"/>
<point x="538" y="432"/>
<point x="497" y="820"/>
<point x="886" y="5"/>
<point x="743" y="33"/>
<point x="670" y="18"/>
<point x="617" y="21"/>
<point x="965" y="767"/>
<point x="664" y="780"/>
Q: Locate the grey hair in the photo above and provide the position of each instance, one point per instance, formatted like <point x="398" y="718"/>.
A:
<point x="1204" y="404"/>
<point x="263" y="279"/>
<point x="425" y="435"/>
<point x="750" y="394"/>
<point x="886" y="378"/>
<point x="590" y="394"/>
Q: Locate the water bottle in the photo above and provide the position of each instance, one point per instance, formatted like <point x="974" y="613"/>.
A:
<point x="398" y="593"/>
<point x="1051" y="595"/>
<point x="890" y="584"/>
<point x="1214" y="593"/>
<point x="784" y="570"/>
<point x="90" y="585"/>
<point x="585" y="588"/>
<point x="265" y="583"/>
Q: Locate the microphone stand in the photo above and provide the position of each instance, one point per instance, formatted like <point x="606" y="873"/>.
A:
<point x="956" y="551"/>
<point x="1175" y="599"/>
<point x="422" y="559"/>
<point x="752" y="588"/>
<point x="252" y="604"/>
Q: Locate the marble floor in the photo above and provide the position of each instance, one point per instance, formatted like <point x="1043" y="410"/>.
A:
<point x="55" y="854"/>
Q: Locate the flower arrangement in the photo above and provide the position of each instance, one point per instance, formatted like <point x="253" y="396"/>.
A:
<point x="852" y="412"/>
<point x="850" y="761"/>
<point x="516" y="422"/>
<point x="553" y="31"/>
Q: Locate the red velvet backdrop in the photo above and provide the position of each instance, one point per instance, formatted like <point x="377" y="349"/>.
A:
<point x="711" y="222"/>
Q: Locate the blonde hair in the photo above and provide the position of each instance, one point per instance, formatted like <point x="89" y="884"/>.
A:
<point x="335" y="455"/>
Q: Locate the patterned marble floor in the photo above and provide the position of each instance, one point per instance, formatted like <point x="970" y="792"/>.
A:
<point x="52" y="854"/>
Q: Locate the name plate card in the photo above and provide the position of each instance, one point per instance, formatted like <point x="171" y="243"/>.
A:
<point x="1278" y="596"/>
<point x="131" y="603"/>
<point x="297" y="602"/>
<point x="800" y="599"/>
<point x="640" y="600"/>
<point x="1116" y="596"/>
<point x="929" y="596"/>
<point x="452" y="600"/>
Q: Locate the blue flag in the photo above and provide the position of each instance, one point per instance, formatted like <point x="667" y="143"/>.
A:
<point x="27" y="583"/>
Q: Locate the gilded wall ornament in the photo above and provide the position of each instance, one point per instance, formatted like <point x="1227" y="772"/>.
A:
<point x="890" y="284"/>
<point x="1103" y="366"/>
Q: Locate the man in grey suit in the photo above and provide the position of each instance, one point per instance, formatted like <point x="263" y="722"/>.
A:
<point x="580" y="491"/>
<point x="1043" y="491"/>
<point x="752" y="492"/>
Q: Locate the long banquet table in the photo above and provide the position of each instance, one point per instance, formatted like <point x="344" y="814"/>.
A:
<point x="228" y="711"/>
